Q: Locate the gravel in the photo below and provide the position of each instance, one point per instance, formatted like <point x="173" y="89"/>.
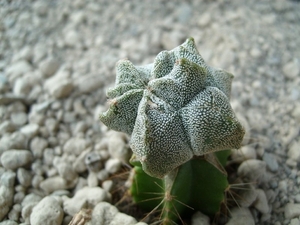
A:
<point x="57" y="59"/>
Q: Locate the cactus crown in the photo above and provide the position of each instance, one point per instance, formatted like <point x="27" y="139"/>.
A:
<point x="176" y="108"/>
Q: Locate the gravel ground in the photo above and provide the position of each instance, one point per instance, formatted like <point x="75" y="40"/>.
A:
<point x="57" y="58"/>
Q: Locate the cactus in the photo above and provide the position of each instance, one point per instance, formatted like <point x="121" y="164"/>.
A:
<point x="178" y="114"/>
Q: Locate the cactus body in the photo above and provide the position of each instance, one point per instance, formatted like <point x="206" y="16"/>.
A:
<point x="178" y="114"/>
<point x="189" y="189"/>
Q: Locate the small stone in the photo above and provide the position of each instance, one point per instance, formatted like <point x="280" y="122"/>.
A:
<point x="291" y="210"/>
<point x="261" y="203"/>
<point x="51" y="125"/>
<point x="247" y="196"/>
<point x="7" y="127"/>
<point x="93" y="161"/>
<point x="240" y="214"/>
<point x="31" y="198"/>
<point x="6" y="192"/>
<point x="86" y="195"/>
<point x="200" y="219"/>
<point x="79" y="164"/>
<point x="49" y="66"/>
<point x="92" y="179"/>
<point x="26" y="212"/>
<point x="18" y="197"/>
<point x="52" y="184"/>
<point x="75" y="146"/>
<point x="255" y="53"/>
<point x="291" y="69"/>
<point x="48" y="211"/>
<point x="30" y="130"/>
<point x="37" y="146"/>
<point x="24" y="177"/>
<point x="122" y="218"/>
<point x="107" y="185"/>
<point x="22" y="87"/>
<point x="17" y="69"/>
<point x="296" y="113"/>
<point x="295" y="221"/>
<point x="36" y="181"/>
<point x="246" y="152"/>
<point x="60" y="85"/>
<point x="13" y="159"/>
<point x="294" y="151"/>
<point x="205" y="19"/>
<point x="66" y="171"/>
<point x="105" y="213"/>
<point x="102" y="175"/>
<point x="112" y="165"/>
<point x="8" y="222"/>
<point x="271" y="161"/>
<point x="15" y="212"/>
<point x="89" y="83"/>
<point x="72" y="38"/>
<point x="19" y="118"/>
<point x="252" y="170"/>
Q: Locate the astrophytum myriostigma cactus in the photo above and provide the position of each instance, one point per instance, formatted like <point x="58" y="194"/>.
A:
<point x="174" y="109"/>
<point x="178" y="114"/>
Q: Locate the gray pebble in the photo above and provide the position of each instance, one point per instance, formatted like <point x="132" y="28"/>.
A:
<point x="37" y="146"/>
<point x="22" y="87"/>
<point x="6" y="192"/>
<point x="294" y="152"/>
<point x="295" y="221"/>
<point x="30" y="130"/>
<point x="19" y="196"/>
<point x="36" y="180"/>
<point x="7" y="127"/>
<point x="92" y="179"/>
<point x="49" y="66"/>
<point x="19" y="118"/>
<point x="86" y="195"/>
<point x="261" y="203"/>
<point x="291" y="210"/>
<point x="66" y="171"/>
<point x="93" y="161"/>
<point x="75" y="145"/>
<point x="252" y="170"/>
<point x="112" y="165"/>
<point x="13" y="159"/>
<point x="51" y="125"/>
<point x="240" y="214"/>
<point x="52" y="184"/>
<point x="24" y="177"/>
<point x="291" y="69"/>
<point x="271" y="161"/>
<point x="105" y="213"/>
<point x="89" y="83"/>
<point x="48" y="211"/>
<point x="15" y="212"/>
<point x="200" y="219"/>
<point x="8" y="222"/>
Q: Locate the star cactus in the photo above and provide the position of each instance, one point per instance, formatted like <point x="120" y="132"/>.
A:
<point x="178" y="114"/>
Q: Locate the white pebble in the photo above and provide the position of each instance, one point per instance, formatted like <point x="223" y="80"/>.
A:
<point x="261" y="203"/>
<point x="86" y="195"/>
<point x="252" y="170"/>
<point x="291" y="210"/>
<point x="112" y="165"/>
<point x="48" y="212"/>
<point x="13" y="159"/>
